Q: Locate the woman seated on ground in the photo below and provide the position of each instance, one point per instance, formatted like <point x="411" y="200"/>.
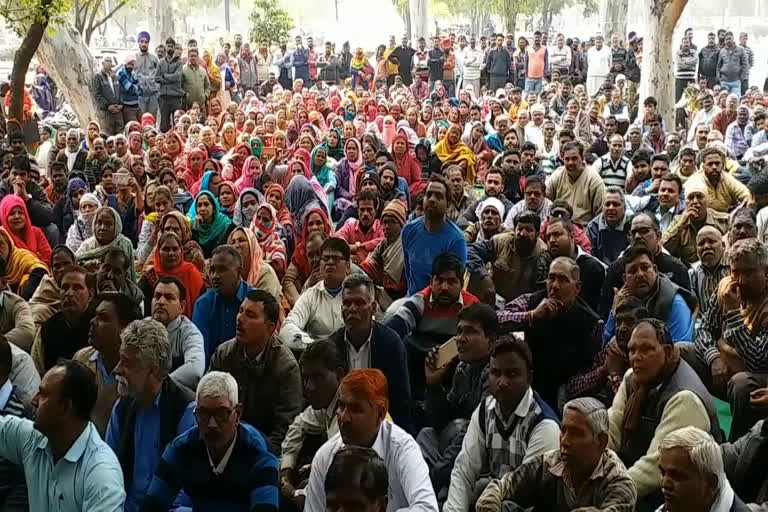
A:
<point x="46" y="300"/>
<point x="267" y="230"/>
<point x="169" y="260"/>
<point x="23" y="269"/>
<point x="255" y="271"/>
<point x="162" y="204"/>
<point x="246" y="206"/>
<point x="210" y="227"/>
<point x="15" y="218"/>
<point x="82" y="228"/>
<point x="177" y="223"/>
<point x="65" y="209"/>
<point x="107" y="235"/>
<point x="227" y="199"/>
<point x="130" y="203"/>
<point x="182" y="200"/>
<point x="315" y="220"/>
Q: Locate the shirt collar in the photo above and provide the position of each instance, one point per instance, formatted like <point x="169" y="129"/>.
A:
<point x="222" y="465"/>
<point x="5" y="393"/>
<point x="432" y="300"/>
<point x="367" y="342"/>
<point x="174" y="324"/>
<point x="101" y="365"/>
<point x="603" y="225"/>
<point x="600" y="470"/>
<point x="76" y="450"/>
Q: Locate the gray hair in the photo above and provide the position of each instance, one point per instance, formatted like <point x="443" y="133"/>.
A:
<point x="231" y="251"/>
<point x="702" y="449"/>
<point x="618" y="191"/>
<point x="359" y="279"/>
<point x="749" y="247"/>
<point x="574" y="267"/>
<point x="217" y="384"/>
<point x="150" y="339"/>
<point x="593" y="410"/>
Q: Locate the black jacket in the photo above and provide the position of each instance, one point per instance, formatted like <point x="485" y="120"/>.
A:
<point x="388" y="355"/>
<point x="103" y="93"/>
<point x="39" y="207"/>
<point x="746" y="463"/>
<point x="708" y="57"/>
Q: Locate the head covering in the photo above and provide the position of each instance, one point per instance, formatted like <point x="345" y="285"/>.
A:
<point x="491" y="202"/>
<point x="242" y="217"/>
<point x="397" y="209"/>
<point x="84" y="222"/>
<point x="256" y="255"/>
<point x="298" y="196"/>
<point x="457" y="152"/>
<point x="218" y="225"/>
<point x="186" y="272"/>
<point x="283" y="215"/>
<point x="27" y="240"/>
<point x="299" y="257"/>
<point x="20" y="264"/>
<point x="130" y="59"/>
<point x="269" y="239"/>
<point x="337" y="152"/>
<point x="143" y="35"/>
<point x="92" y="249"/>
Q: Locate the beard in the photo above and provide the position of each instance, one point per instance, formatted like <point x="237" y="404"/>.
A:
<point x="524" y="245"/>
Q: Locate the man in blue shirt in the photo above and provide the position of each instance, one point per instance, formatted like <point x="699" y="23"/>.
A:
<point x="425" y="237"/>
<point x="216" y="310"/>
<point x="300" y="61"/>
<point x="152" y="409"/>
<point x="67" y="465"/>
<point x="221" y="464"/>
<point x="13" y="488"/>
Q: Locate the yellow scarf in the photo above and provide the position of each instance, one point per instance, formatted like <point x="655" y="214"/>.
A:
<point x="457" y="153"/>
<point x="21" y="263"/>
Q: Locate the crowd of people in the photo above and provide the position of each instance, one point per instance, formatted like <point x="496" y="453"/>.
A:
<point x="467" y="277"/>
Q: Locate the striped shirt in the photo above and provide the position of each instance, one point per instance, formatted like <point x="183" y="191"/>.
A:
<point x="614" y="174"/>
<point x="546" y="479"/>
<point x="704" y="282"/>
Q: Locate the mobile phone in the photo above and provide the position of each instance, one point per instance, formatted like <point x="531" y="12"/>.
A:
<point x="122" y="179"/>
<point x="447" y="352"/>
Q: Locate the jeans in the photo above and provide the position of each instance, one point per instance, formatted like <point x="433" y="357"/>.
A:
<point x="533" y="85"/>
<point x="168" y="105"/>
<point x="680" y="85"/>
<point x="734" y="87"/>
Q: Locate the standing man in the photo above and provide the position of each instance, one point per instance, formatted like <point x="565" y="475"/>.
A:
<point x="750" y="61"/>
<point x="403" y="55"/>
<point x="732" y="66"/>
<point x="536" y="65"/>
<point x="474" y="59"/>
<point x="106" y="92"/>
<point x="685" y="68"/>
<point x="599" y="63"/>
<point x="130" y="90"/>
<point x="421" y="62"/>
<point x="171" y="94"/>
<point x="282" y="59"/>
<point x="263" y="59"/>
<point x="560" y="57"/>
<point x="345" y="60"/>
<point x="195" y="81"/>
<point x="300" y="61"/>
<point x="248" y="65"/>
<point x="312" y="62"/>
<point x="499" y="65"/>
<point x="146" y="67"/>
<point x="436" y="59"/>
<point x="708" y="61"/>
<point x="618" y="57"/>
<point x="89" y="477"/>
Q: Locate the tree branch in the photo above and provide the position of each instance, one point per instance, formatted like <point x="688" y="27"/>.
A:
<point x="109" y="14"/>
<point x="90" y="27"/>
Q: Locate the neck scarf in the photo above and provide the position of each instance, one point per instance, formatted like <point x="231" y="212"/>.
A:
<point x="218" y="225"/>
<point x="337" y="153"/>
<point x="84" y="221"/>
<point x="20" y="264"/>
<point x="186" y="272"/>
<point x="454" y="153"/>
<point x="322" y="174"/>
<point x="269" y="239"/>
<point x="256" y="257"/>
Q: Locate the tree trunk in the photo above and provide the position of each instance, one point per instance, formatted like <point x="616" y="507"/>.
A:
<point x="21" y="60"/>
<point x="657" y="77"/>
<point x="227" y="24"/>
<point x="407" y="20"/>
<point x="613" y="18"/>
<point x="67" y="58"/>
<point x="419" y="21"/>
<point x="162" y="20"/>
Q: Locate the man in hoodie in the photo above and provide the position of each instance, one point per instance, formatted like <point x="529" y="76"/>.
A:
<point x="144" y="70"/>
<point x="170" y="95"/>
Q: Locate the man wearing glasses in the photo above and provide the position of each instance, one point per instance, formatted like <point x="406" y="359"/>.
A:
<point x="151" y="411"/>
<point x="221" y="464"/>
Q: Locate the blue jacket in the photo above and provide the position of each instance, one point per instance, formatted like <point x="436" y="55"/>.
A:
<point x="216" y="317"/>
<point x="130" y="90"/>
<point x="607" y="243"/>
<point x="300" y="63"/>
<point x="388" y="355"/>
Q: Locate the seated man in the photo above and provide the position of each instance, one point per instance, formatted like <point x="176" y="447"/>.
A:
<point x="112" y="313"/>
<point x="428" y="319"/>
<point x="364" y="233"/>
<point x="224" y="465"/>
<point x="515" y="258"/>
<point x="582" y="475"/>
<point x="89" y="477"/>
<point x="745" y="466"/>
<point x="385" y="263"/>
<point x="494" y="187"/>
<point x="24" y="375"/>
<point x="264" y="368"/>
<point x="711" y="268"/>
<point x="322" y="366"/>
<point x="152" y="409"/>
<point x="357" y="480"/>
<point x="731" y="356"/>
<point x="535" y="199"/>
<point x="608" y="232"/>
<point x="111" y="276"/>
<point x="643" y="232"/>
<point x="509" y="428"/>
<point x="491" y="213"/>
<point x="663" y="299"/>
<point x="561" y="329"/>
<point x="20" y="182"/>
<point x="561" y="243"/>
<point x="561" y="209"/>
<point x="669" y="202"/>
<point x="317" y="313"/>
<point x="13" y="488"/>
<point x="602" y="381"/>
<point x="680" y="238"/>
<point x="187" y="350"/>
<point x="454" y="391"/>
<point x="723" y="190"/>
<point x="363" y="405"/>
<point x="216" y="310"/>
<point x="66" y="332"/>
<point x="693" y="473"/>
<point x="366" y="343"/>
<point x="640" y="418"/>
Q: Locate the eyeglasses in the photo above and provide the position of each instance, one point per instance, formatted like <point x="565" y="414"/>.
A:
<point x="220" y="415"/>
<point x="332" y="258"/>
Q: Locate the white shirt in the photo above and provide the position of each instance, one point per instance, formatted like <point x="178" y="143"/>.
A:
<point x="314" y="317"/>
<point x="111" y="83"/>
<point x="409" y="485"/>
<point x="359" y="359"/>
<point x="222" y="465"/>
<point x="599" y="61"/>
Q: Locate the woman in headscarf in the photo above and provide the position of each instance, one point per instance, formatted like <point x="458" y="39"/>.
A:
<point x="324" y="174"/>
<point x="194" y="167"/>
<point x="176" y="222"/>
<point x="82" y="228"/>
<point x="232" y="163"/>
<point x="407" y="166"/>
<point x="334" y="144"/>
<point x="163" y="203"/>
<point x="265" y="226"/>
<point x="227" y="198"/>
<point x="46" y="300"/>
<point x="210" y="226"/>
<point x="137" y="170"/>
<point x="474" y="138"/>
<point x="97" y="158"/>
<point x="347" y="172"/>
<point x="168" y="260"/>
<point x="107" y="235"/>
<point x="92" y="132"/>
<point x="361" y="70"/>
<point x="23" y="269"/>
<point x="135" y="144"/>
<point x="452" y="149"/>
<point x="389" y="130"/>
<point x="314" y="220"/>
<point x="254" y="271"/>
<point x="251" y="175"/>
<point x="299" y="196"/>
<point x="274" y="194"/>
<point x="214" y="77"/>
<point x="174" y="147"/>
<point x="246" y="206"/>
<point x="228" y="136"/>
<point x="15" y="219"/>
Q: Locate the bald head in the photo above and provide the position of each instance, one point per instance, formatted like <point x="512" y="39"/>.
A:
<point x="710" y="246"/>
